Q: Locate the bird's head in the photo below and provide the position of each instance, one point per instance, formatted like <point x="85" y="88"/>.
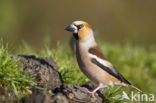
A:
<point x="80" y="29"/>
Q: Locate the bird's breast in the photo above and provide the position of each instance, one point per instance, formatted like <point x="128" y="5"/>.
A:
<point x="85" y="64"/>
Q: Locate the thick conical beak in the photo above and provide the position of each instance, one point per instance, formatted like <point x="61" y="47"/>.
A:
<point x="71" y="28"/>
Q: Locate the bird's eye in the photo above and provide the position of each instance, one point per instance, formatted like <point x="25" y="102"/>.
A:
<point x="80" y="26"/>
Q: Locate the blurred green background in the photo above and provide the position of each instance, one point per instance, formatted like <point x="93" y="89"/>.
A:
<point x="123" y="30"/>
<point x="113" y="21"/>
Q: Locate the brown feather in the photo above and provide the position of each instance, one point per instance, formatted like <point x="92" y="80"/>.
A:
<point x="96" y="51"/>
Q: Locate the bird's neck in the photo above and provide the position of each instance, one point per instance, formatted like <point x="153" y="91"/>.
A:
<point x="88" y="42"/>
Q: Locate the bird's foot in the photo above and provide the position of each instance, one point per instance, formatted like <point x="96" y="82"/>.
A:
<point x="92" y="93"/>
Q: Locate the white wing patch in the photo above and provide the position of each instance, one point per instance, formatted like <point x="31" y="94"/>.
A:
<point x="104" y="62"/>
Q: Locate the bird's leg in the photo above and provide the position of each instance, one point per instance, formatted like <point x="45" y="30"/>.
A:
<point x="94" y="90"/>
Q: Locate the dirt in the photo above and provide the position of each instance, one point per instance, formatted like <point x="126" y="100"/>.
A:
<point x="54" y="89"/>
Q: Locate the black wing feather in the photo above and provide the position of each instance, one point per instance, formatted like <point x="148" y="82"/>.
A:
<point x="111" y="71"/>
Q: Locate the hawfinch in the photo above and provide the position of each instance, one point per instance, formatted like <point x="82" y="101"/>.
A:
<point x="91" y="60"/>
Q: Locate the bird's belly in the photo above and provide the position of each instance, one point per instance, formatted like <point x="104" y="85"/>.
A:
<point x="94" y="73"/>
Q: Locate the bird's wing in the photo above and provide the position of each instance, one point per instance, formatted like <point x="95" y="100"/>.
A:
<point x="100" y="60"/>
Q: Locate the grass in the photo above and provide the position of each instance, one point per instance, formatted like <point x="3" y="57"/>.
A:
<point x="12" y="77"/>
<point x="137" y="64"/>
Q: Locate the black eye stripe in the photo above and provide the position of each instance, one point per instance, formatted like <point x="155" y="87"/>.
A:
<point x="80" y="26"/>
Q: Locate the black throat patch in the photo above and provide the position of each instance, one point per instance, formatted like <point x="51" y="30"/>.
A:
<point x="76" y="36"/>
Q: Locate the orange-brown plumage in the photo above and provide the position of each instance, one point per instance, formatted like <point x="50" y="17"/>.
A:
<point x="85" y="31"/>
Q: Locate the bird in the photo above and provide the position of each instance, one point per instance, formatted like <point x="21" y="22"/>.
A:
<point x="92" y="61"/>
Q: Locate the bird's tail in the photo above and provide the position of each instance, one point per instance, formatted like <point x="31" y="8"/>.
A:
<point x="132" y="86"/>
